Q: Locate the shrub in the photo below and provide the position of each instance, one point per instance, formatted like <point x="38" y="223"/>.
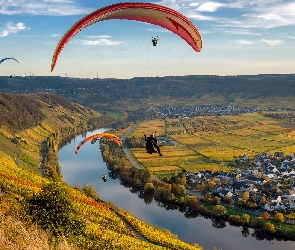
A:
<point x="235" y="219"/>
<point x="258" y="222"/>
<point x="268" y="227"/>
<point x="219" y="210"/>
<point x="54" y="211"/>
<point x="279" y="218"/>
<point x="90" y="191"/>
<point x="245" y="219"/>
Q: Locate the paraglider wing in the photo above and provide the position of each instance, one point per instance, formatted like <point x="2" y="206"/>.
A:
<point x="2" y="60"/>
<point x="95" y="137"/>
<point x="143" y="12"/>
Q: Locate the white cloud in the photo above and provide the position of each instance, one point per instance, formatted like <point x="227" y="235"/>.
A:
<point x="204" y="32"/>
<point x="99" y="36"/>
<point x="100" y="40"/>
<point x="244" y="42"/>
<point x="41" y="7"/>
<point x="158" y="30"/>
<point x="55" y="35"/>
<point x="11" y="28"/>
<point x="272" y="42"/>
<point x="261" y="14"/>
<point x="235" y="31"/>
<point x="209" y="6"/>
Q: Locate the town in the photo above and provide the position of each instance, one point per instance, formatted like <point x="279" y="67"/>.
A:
<point x="170" y="111"/>
<point x="266" y="182"/>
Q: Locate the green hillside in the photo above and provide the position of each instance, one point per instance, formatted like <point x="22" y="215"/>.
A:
<point x="265" y="91"/>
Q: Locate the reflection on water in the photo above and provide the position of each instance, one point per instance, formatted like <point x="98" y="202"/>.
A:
<point x="88" y="166"/>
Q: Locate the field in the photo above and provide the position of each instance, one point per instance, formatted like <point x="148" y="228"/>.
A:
<point x="150" y="127"/>
<point x="116" y="115"/>
<point x="213" y="143"/>
<point x="173" y="158"/>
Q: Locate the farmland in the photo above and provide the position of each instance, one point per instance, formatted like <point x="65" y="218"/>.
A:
<point x="213" y="143"/>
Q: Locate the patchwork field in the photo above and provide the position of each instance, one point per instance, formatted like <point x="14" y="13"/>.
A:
<point x="214" y="142"/>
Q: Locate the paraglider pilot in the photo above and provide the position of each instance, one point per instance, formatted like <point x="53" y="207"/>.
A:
<point x="155" y="41"/>
<point x="151" y="144"/>
<point x="104" y="177"/>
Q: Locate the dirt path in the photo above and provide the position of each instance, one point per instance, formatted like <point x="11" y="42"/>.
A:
<point x="138" y="236"/>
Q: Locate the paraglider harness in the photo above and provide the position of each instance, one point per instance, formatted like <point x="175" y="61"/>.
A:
<point x="151" y="144"/>
<point x="155" y="41"/>
<point x="104" y="177"/>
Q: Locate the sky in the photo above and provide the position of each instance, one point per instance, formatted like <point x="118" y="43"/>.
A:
<point x="240" y="37"/>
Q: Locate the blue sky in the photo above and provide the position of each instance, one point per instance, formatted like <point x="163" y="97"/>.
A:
<point x="239" y="37"/>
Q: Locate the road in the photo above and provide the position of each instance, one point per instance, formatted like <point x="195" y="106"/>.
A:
<point x="127" y="151"/>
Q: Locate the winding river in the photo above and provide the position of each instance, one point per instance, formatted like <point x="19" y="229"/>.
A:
<point x="88" y="166"/>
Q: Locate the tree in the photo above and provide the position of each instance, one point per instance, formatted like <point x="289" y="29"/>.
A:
<point x="245" y="197"/>
<point x="235" y="219"/>
<point x="266" y="216"/>
<point x="263" y="200"/>
<point x="279" y="218"/>
<point x="54" y="211"/>
<point x="190" y="201"/>
<point x="180" y="180"/>
<point x="149" y="187"/>
<point x="216" y="200"/>
<point x="208" y="198"/>
<point x="219" y="210"/>
<point x="245" y="219"/>
<point x="161" y="193"/>
<point x="178" y="190"/>
<point x="268" y="227"/>
<point x="258" y="222"/>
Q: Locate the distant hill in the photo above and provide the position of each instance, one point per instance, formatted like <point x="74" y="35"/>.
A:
<point x="23" y="111"/>
<point x="104" y="94"/>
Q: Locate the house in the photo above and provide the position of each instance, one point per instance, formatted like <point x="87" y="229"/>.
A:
<point x="247" y="187"/>
<point x="244" y="158"/>
<point x="272" y="168"/>
<point x="290" y="194"/>
<point x="222" y="175"/>
<point x="279" y="155"/>
<point x="285" y="164"/>
<point x="256" y="196"/>
<point x="258" y="164"/>
<point x="255" y="180"/>
<point x="225" y="194"/>
<point x="208" y="173"/>
<point x="271" y="206"/>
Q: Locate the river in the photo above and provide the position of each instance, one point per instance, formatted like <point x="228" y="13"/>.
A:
<point x="88" y="166"/>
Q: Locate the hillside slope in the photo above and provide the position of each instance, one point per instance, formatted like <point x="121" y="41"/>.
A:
<point x="29" y="121"/>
